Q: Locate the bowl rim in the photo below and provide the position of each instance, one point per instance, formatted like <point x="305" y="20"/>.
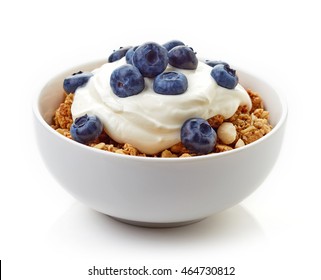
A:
<point x="280" y="123"/>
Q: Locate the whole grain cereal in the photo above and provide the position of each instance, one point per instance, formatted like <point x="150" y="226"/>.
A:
<point x="250" y="125"/>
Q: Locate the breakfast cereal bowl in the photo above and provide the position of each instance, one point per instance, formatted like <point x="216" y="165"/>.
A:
<point x="154" y="191"/>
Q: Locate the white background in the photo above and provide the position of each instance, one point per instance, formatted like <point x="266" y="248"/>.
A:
<point x="273" y="234"/>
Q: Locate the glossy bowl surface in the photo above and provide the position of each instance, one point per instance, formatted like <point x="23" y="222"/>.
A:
<point x="157" y="191"/>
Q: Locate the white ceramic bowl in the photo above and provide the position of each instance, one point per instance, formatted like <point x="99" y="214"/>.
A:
<point x="157" y="191"/>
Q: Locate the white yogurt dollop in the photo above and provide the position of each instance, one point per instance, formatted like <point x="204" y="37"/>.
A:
<point x="149" y="121"/>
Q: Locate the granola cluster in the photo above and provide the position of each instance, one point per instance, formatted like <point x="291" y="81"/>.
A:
<point x="243" y="128"/>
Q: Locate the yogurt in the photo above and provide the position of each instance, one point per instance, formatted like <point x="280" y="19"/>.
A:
<point x="149" y="121"/>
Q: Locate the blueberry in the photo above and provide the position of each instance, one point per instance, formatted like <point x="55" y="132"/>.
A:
<point x="182" y="57"/>
<point x="170" y="83"/>
<point x="118" y="54"/>
<point x="126" y="80"/>
<point x="86" y="129"/>
<point x="198" y="136"/>
<point x="129" y="55"/>
<point x="224" y="76"/>
<point x="173" y="43"/>
<point x="76" y="80"/>
<point x="151" y="59"/>
<point x="213" y="63"/>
